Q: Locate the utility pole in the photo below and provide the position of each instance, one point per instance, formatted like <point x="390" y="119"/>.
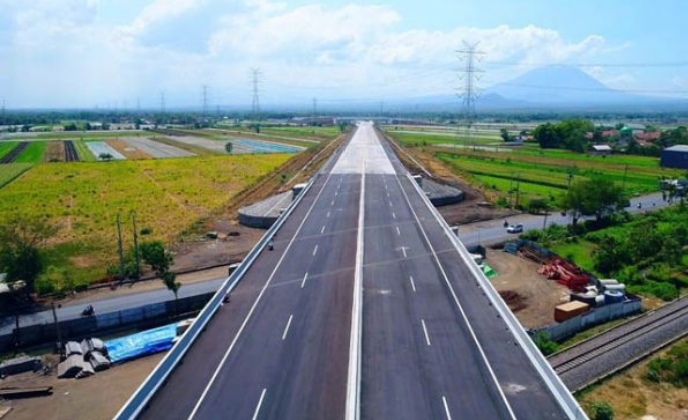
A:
<point x="255" y="104"/>
<point x="2" y="113"/>
<point x="136" y="245"/>
<point x="468" y="92"/>
<point x="518" y="188"/>
<point x="623" y="184"/>
<point x="119" y="249"/>
<point x="57" y="328"/>
<point x="205" y="101"/>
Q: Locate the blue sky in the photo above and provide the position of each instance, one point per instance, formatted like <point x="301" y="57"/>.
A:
<point x="113" y="53"/>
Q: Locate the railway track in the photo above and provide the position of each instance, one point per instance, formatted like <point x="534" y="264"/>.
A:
<point x="14" y="153"/>
<point x="70" y="151"/>
<point x="622" y="335"/>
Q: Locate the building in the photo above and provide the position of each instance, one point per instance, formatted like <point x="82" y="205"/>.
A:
<point x="675" y="157"/>
<point x="601" y="149"/>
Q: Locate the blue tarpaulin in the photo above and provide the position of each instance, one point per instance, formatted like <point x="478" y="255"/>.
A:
<point x="141" y="344"/>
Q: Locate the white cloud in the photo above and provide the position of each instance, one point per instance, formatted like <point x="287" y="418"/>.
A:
<point x="64" y="53"/>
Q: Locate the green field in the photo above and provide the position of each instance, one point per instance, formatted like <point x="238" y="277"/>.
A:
<point x="83" y="152"/>
<point x="33" y="153"/>
<point x="6" y="147"/>
<point x="84" y="198"/>
<point x="10" y="171"/>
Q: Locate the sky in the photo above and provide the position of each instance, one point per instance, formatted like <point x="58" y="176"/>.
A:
<point x="128" y="53"/>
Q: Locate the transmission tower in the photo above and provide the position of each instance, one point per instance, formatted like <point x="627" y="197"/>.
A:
<point x="255" y="104"/>
<point x="162" y="102"/>
<point x="469" y="91"/>
<point x="315" y="109"/>
<point x="2" y="112"/>
<point x="205" y="101"/>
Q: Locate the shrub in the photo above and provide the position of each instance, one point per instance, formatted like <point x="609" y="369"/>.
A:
<point x="602" y="411"/>
<point x="545" y="344"/>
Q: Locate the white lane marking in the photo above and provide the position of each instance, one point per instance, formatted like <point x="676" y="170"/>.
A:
<point x="413" y="284"/>
<point x="403" y="250"/>
<point x="315" y="250"/>
<point x="353" y="389"/>
<point x="322" y="229"/>
<point x="390" y="204"/>
<point x="387" y="195"/>
<point x="394" y="215"/>
<point x="336" y="193"/>
<point x="425" y="331"/>
<point x="260" y="402"/>
<point x="446" y="407"/>
<point x="303" y="282"/>
<point x="328" y="214"/>
<point x="512" y="415"/>
<point x="255" y="304"/>
<point x="398" y="231"/>
<point x="332" y="203"/>
<point x="286" y="328"/>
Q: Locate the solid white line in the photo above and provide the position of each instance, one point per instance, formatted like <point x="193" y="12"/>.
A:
<point x="286" y="328"/>
<point x="458" y="304"/>
<point x="398" y="231"/>
<point x="353" y="389"/>
<point x="255" y="304"/>
<point x="303" y="283"/>
<point x="260" y="402"/>
<point x="403" y="250"/>
<point x="446" y="407"/>
<point x="425" y="331"/>
<point x="322" y="229"/>
<point x="413" y="284"/>
<point x="315" y="250"/>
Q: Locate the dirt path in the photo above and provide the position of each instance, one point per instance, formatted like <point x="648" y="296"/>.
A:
<point x="530" y="295"/>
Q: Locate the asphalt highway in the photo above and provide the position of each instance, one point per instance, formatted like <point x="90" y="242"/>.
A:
<point x="285" y="347"/>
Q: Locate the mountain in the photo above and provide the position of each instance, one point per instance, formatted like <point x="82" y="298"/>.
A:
<point x="562" y="85"/>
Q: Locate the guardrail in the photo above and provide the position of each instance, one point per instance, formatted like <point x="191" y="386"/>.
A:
<point x="136" y="403"/>
<point x="549" y="376"/>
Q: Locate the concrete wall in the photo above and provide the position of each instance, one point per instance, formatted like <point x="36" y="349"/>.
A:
<point x="80" y="328"/>
<point x="602" y="314"/>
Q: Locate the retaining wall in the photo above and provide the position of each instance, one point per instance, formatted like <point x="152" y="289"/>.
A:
<point x="80" y="328"/>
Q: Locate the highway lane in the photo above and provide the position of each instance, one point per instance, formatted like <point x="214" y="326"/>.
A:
<point x="419" y="360"/>
<point x="285" y="334"/>
<point x="429" y="281"/>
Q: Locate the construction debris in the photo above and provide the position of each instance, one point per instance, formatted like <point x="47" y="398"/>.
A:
<point x="20" y="364"/>
<point x="25" y="392"/>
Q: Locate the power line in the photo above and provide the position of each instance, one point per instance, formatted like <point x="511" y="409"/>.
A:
<point x="583" y="64"/>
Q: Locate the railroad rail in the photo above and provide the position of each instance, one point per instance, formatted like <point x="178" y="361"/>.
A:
<point x="632" y="340"/>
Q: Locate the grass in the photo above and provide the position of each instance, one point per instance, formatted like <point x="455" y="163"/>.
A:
<point x="33" y="153"/>
<point x="84" y="198"/>
<point x="579" y="252"/>
<point x="6" y="147"/>
<point x="83" y="151"/>
<point x="10" y="171"/>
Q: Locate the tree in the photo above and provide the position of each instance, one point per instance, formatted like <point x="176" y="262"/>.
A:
<point x="160" y="260"/>
<point x="610" y="255"/>
<point x="156" y="256"/>
<point x="593" y="197"/>
<point x="545" y="344"/>
<point x="105" y="157"/>
<point x="504" y="134"/>
<point x="21" y="240"/>
<point x="228" y="147"/>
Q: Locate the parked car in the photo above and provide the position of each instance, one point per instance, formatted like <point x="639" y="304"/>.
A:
<point x="515" y="228"/>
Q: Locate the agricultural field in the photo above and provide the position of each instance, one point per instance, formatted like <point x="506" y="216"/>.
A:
<point x="6" y="147"/>
<point x="33" y="153"/>
<point x="100" y="148"/>
<point x="538" y="173"/>
<point x="156" y="149"/>
<point x="10" y="171"/>
<point x="83" y="152"/>
<point x="287" y="132"/>
<point x="84" y="198"/>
